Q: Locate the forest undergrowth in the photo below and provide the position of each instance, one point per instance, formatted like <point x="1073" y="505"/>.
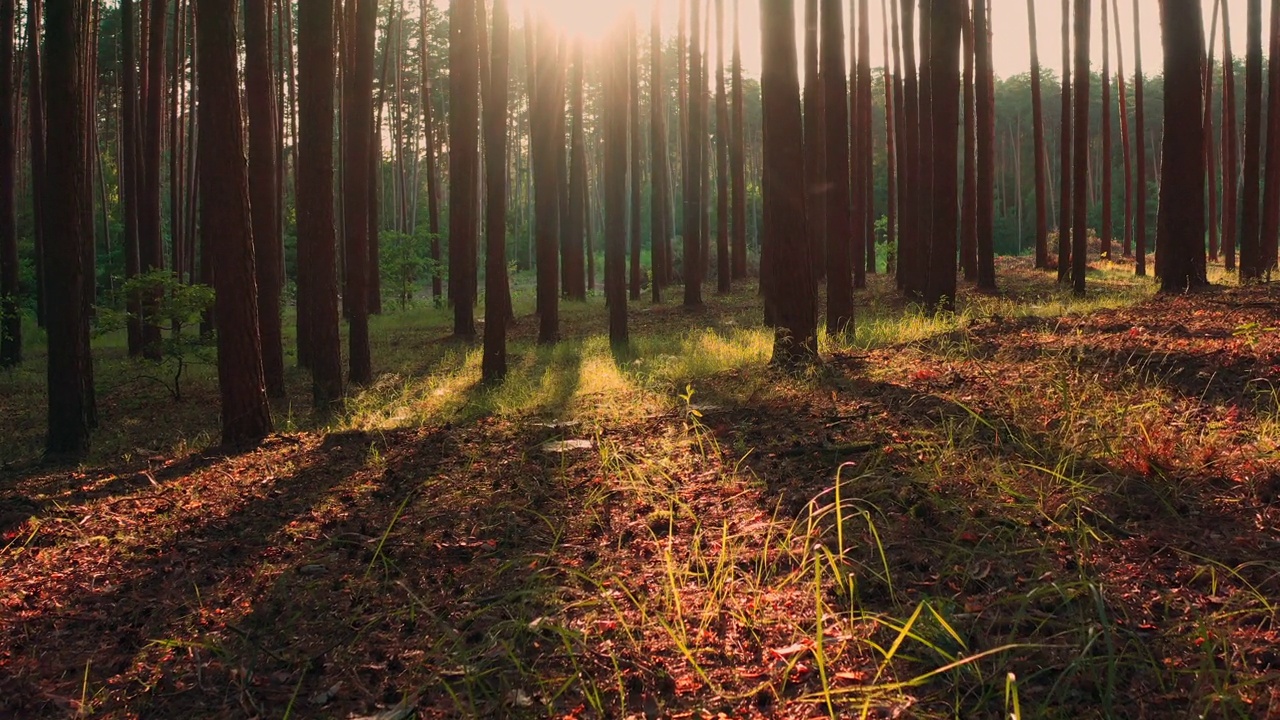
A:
<point x="1039" y="506"/>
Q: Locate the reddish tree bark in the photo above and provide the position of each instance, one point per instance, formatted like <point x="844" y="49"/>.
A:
<point x="1065" y="185"/>
<point x="1042" y="159"/>
<point x="1125" y="142"/>
<point x="429" y="136"/>
<point x="637" y="156"/>
<point x="1250" y="229"/>
<point x="317" y="253"/>
<point x="969" y="187"/>
<point x="496" y="312"/>
<point x="575" y="276"/>
<point x="693" y="202"/>
<point x="724" y="269"/>
<point x="944" y="65"/>
<point x="837" y="215"/>
<point x="268" y="252"/>
<point x="150" y="234"/>
<point x="129" y="155"/>
<point x="1079" y="176"/>
<point x="546" y="143"/>
<point x="1210" y="151"/>
<point x="357" y="122"/>
<point x="813" y="149"/>
<point x="1230" y="146"/>
<point x="737" y="157"/>
<point x="35" y="137"/>
<point x="1140" y="146"/>
<point x="865" y="261"/>
<point x="795" y="310"/>
<point x="1271" y="181"/>
<point x="891" y="148"/>
<point x="226" y="225"/>
<point x="10" y="309"/>
<point x="1105" y="232"/>
<point x="617" y="88"/>
<point x="986" y="112"/>
<point x="658" y="178"/>
<point x="1180" y="234"/>
<point x="908" y="275"/>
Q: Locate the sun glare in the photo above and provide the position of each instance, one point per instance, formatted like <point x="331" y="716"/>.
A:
<point x="589" y="19"/>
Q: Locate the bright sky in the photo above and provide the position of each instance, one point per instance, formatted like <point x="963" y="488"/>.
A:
<point x="593" y="18"/>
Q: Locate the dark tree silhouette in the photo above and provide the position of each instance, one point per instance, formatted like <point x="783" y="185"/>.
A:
<point x="737" y="156"/>
<point x="813" y="136"/>
<point x="1065" y="212"/>
<point x="865" y="261"/>
<point x="1140" y="145"/>
<point x="835" y="172"/>
<point x="637" y="146"/>
<point x="1105" y="230"/>
<point x="496" y="312"/>
<point x="1250" y="230"/>
<point x="724" y="266"/>
<point x="575" y="275"/>
<point x="909" y="233"/>
<point x="268" y="252"/>
<point x="796" y="309"/>
<point x="429" y="133"/>
<point x="659" y="180"/>
<point x="1079" y="175"/>
<point x="891" y="95"/>
<point x="36" y="140"/>
<point x="693" y="159"/>
<point x="1181" y="227"/>
<point x="317" y="254"/>
<point x="129" y="157"/>
<point x="1125" y="142"/>
<point x="1038" y="146"/>
<point x="150" y="233"/>
<point x="986" y="111"/>
<point x="464" y="163"/>
<point x="1210" y="150"/>
<point x="10" y="313"/>
<point x="226" y="226"/>
<point x="944" y="67"/>
<point x="1230" y="146"/>
<point x="68" y="231"/>
<point x="616" y="87"/>
<point x="1271" y="171"/>
<point x="357" y="125"/>
<point x="546" y="144"/>
<point x="969" y="148"/>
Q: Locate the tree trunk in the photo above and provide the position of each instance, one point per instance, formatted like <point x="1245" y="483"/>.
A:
<point x="1125" y="142"/>
<point x="317" y="254"/>
<point x="267" y="250"/>
<point x="1065" y="187"/>
<point x="1140" y="146"/>
<point x="737" y="157"/>
<point x="67" y="232"/>
<point x="429" y="133"/>
<point x="944" y="67"/>
<point x="127" y="186"/>
<point x="1230" y="147"/>
<point x="617" y="86"/>
<point x="813" y="149"/>
<point x="575" y="288"/>
<point x="835" y="176"/>
<point x="903" y="133"/>
<point x="890" y="144"/>
<point x="657" y="159"/>
<point x="969" y="189"/>
<point x="1210" y="151"/>
<point x="1105" y="232"/>
<point x="866" y="261"/>
<point x="908" y="277"/>
<point x="464" y="161"/>
<point x="986" y="86"/>
<point x="150" y="236"/>
<point x="796" y="309"/>
<point x="35" y="132"/>
<point x="225" y="224"/>
<point x="1250" y="229"/>
<point x="357" y="123"/>
<point x="693" y="174"/>
<point x="1080" y="177"/>
<point x="547" y="211"/>
<point x="496" y="312"/>
<point x="724" y="270"/>
<point x="1180" y="232"/>
<point x="637" y="157"/>
<point x="1041" y="159"/>
<point x="10" y="308"/>
<point x="1271" y="182"/>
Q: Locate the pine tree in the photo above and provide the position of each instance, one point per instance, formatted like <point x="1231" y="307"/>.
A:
<point x="494" y="362"/>
<point x="1181" y="228"/>
<point x="837" y="214"/>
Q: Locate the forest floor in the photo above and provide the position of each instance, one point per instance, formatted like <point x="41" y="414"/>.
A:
<point x="1041" y="506"/>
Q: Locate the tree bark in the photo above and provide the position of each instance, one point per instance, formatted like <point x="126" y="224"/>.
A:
<point x="429" y="133"/>
<point x="496" y="312"/>
<point x="986" y="147"/>
<point x="1080" y="177"/>
<point x="357" y="121"/>
<point x="1065" y="186"/>
<point x="891" y="93"/>
<point x="127" y="186"/>
<point x="813" y="149"/>
<point x="835" y="173"/>
<point x="737" y="156"/>
<point x="226" y="224"/>
<point x="969" y="191"/>
<point x="317" y="253"/>
<point x="908" y="273"/>
<point x="724" y="266"/>
<point x="574" y="274"/>
<point x="268" y="256"/>
<point x="617" y="88"/>
<point x="1105" y="231"/>
<point x="1180" y="233"/>
<point x="1210" y="151"/>
<point x="1250" y="229"/>
<point x="1140" y="147"/>
<point x="658" y="178"/>
<point x="795" y="310"/>
<point x="1125" y="142"/>
<point x="865" y="261"/>
<point x="1230" y="147"/>
<point x="546" y="144"/>
<point x="1271" y="181"/>
<point x="637" y="156"/>
<point x="693" y="202"/>
<point x="1041" y="159"/>
<point x="464" y="162"/>
<point x="150" y="235"/>
<point x="944" y="65"/>
<point x="10" y="308"/>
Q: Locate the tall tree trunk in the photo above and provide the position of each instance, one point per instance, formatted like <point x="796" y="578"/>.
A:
<point x="657" y="159"/>
<point x="637" y="156"/>
<point x="317" y="231"/>
<point x="150" y="236"/>
<point x="737" y="156"/>
<point x="357" y="123"/>
<point x="1065" y="186"/>
<point x="693" y="174"/>
<point x="944" y="65"/>
<point x="1180" y="232"/>
<point x="724" y="269"/>
<point x="903" y="133"/>
<point x="429" y="134"/>
<point x="464" y="161"/>
<point x="813" y="149"/>
<point x="127" y="186"/>
<point x="10" y="308"/>
<point x="35" y="132"/>
<point x="617" y="86"/>
<point x="1105" y="232"/>
<point x="546" y="144"/>
<point x="260" y="102"/>
<point x="925" y="159"/>
<point x="969" y="189"/>
<point x="1125" y="142"/>
<point x="1080" y="178"/>
<point x="225" y="223"/>
<point x="496" y="312"/>
<point x="866" y="261"/>
<point x="1230" y="146"/>
<point x="1210" y="151"/>
<point x="71" y="403"/>
<point x="576" y="288"/>
<point x="891" y="148"/>
<point x="986" y="92"/>
<point x="1042" y="158"/>
<point x="909" y="242"/>
<point x="1271" y="182"/>
<point x="1250" y="218"/>
<point x="835" y="173"/>
<point x="1140" y="147"/>
<point x="795" y="310"/>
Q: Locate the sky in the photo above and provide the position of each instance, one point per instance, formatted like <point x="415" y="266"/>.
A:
<point x="1012" y="46"/>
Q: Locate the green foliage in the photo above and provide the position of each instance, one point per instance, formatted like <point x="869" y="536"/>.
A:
<point x="178" y="306"/>
<point x="405" y="262"/>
